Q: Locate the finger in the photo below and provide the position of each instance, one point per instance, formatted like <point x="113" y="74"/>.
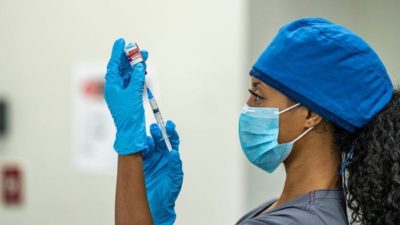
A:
<point x="145" y="54"/>
<point x="172" y="134"/>
<point x="118" y="48"/>
<point x="176" y="171"/>
<point x="137" y="77"/>
<point x="155" y="132"/>
<point x="148" y="151"/>
<point x="115" y="60"/>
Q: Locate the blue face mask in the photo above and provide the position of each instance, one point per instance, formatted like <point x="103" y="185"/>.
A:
<point x="258" y="134"/>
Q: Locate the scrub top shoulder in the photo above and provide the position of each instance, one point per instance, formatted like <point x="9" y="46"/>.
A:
<point x="320" y="207"/>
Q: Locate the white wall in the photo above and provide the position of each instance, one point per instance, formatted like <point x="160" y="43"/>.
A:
<point x="375" y="21"/>
<point x="198" y="50"/>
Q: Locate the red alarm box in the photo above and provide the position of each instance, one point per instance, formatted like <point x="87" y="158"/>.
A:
<point x="11" y="185"/>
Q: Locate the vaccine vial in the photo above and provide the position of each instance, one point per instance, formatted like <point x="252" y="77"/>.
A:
<point x="133" y="53"/>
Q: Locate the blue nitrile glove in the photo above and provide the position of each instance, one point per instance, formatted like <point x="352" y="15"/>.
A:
<point x="123" y="92"/>
<point x="163" y="174"/>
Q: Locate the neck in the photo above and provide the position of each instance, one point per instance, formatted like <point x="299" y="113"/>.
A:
<point x="313" y="165"/>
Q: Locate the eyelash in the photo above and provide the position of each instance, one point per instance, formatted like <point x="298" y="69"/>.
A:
<point x="256" y="95"/>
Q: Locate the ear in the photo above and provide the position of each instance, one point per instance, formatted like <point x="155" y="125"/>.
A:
<point x="312" y="119"/>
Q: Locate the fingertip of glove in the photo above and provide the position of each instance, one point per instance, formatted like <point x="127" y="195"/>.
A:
<point x="170" y="125"/>
<point x="155" y="131"/>
<point x="145" y="54"/>
<point x="119" y="43"/>
<point x="153" y="126"/>
<point x="117" y="50"/>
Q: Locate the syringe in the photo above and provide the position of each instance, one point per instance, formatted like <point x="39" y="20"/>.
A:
<point x="132" y="51"/>
<point x="159" y="119"/>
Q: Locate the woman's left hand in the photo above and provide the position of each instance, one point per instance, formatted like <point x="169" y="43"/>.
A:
<point x="123" y="92"/>
<point x="163" y="174"/>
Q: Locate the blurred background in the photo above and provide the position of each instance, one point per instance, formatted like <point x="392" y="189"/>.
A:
<point x="57" y="165"/>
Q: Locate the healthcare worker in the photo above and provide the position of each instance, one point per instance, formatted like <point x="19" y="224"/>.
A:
<point x="321" y="102"/>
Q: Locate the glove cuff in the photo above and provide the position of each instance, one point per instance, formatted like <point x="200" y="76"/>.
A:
<point x="130" y="144"/>
<point x="170" y="221"/>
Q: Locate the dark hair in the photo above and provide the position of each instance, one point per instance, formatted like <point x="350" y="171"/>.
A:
<point x="372" y="187"/>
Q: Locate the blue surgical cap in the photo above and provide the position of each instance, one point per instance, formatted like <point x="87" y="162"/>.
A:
<point x="328" y="69"/>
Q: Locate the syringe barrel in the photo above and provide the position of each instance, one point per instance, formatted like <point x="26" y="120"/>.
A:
<point x="160" y="122"/>
<point x="153" y="105"/>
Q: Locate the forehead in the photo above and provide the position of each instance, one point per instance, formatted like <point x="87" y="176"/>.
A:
<point x="256" y="83"/>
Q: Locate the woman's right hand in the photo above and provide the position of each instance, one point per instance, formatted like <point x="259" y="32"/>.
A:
<point x="163" y="174"/>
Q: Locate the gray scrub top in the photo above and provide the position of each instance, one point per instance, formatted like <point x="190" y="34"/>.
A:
<point x="321" y="207"/>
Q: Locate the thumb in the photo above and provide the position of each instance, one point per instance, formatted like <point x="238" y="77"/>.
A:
<point x="173" y="134"/>
<point x="145" y="55"/>
<point x="114" y="62"/>
<point x="176" y="171"/>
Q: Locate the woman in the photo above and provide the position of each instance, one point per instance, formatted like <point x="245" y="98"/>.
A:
<point x="321" y="103"/>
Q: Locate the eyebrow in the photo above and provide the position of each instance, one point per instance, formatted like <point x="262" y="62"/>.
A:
<point x="256" y="83"/>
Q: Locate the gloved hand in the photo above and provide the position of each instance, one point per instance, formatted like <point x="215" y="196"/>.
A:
<point x="123" y="92"/>
<point x="163" y="174"/>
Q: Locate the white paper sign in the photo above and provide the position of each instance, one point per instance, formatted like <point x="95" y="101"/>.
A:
<point x="93" y="130"/>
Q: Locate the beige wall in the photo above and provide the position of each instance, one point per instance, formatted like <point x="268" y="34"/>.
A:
<point x="196" y="47"/>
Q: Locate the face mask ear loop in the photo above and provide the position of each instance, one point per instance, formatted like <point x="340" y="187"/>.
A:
<point x="342" y="173"/>
<point x="348" y="157"/>
<point x="287" y="109"/>
<point x="301" y="135"/>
